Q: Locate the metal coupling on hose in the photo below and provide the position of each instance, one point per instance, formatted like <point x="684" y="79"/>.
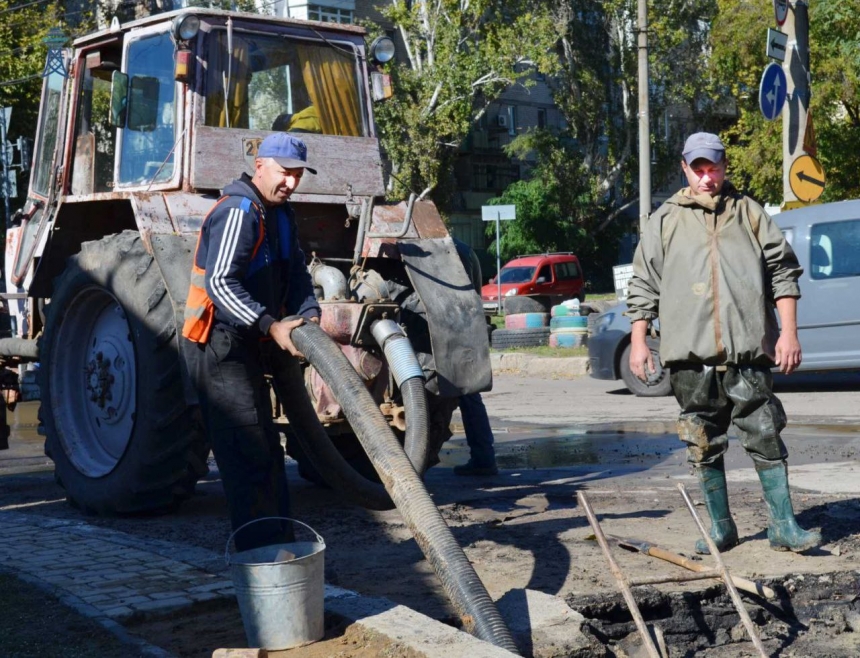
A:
<point x="398" y="351"/>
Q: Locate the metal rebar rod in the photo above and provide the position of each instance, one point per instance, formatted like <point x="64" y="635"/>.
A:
<point x="619" y="577"/>
<point x="678" y="578"/>
<point x="727" y="578"/>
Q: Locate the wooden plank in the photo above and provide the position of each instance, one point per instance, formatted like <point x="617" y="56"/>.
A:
<point x="219" y="155"/>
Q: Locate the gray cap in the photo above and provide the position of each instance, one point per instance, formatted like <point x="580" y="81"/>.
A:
<point x="703" y="145"/>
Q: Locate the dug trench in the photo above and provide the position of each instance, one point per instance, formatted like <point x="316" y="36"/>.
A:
<point x="812" y="615"/>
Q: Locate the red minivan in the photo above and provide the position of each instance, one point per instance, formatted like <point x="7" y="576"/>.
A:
<point x="546" y="278"/>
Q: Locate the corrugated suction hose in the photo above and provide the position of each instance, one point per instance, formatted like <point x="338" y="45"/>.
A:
<point x="477" y="610"/>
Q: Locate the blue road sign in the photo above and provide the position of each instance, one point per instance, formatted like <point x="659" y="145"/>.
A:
<point x="772" y="91"/>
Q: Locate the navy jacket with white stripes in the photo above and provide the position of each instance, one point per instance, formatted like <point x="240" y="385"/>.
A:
<point x="252" y="290"/>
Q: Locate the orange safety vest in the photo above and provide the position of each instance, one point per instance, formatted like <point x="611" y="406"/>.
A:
<point x="199" y="307"/>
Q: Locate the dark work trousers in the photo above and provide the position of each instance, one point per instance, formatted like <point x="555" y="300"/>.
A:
<point x="228" y="373"/>
<point x="714" y="397"/>
<point x="476" y="425"/>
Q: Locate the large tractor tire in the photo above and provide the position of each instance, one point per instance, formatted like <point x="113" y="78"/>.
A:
<point x="117" y="425"/>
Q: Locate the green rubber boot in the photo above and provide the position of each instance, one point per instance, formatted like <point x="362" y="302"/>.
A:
<point x="724" y="532"/>
<point x="783" y="532"/>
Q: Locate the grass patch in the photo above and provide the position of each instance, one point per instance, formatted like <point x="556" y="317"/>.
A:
<point x="601" y="297"/>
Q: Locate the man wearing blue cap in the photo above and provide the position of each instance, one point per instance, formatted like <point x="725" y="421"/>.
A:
<point x="713" y="265"/>
<point x="249" y="272"/>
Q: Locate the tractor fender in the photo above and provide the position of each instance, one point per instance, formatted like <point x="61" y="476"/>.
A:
<point x="455" y="317"/>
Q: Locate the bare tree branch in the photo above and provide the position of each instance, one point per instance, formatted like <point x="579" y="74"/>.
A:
<point x="606" y="222"/>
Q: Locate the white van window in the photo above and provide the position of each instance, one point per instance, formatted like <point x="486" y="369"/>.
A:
<point x="835" y="250"/>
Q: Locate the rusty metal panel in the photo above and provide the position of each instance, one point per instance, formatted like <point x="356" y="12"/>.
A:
<point x="188" y="210"/>
<point x="388" y="218"/>
<point x="219" y="155"/>
<point x="150" y="213"/>
<point x="428" y="221"/>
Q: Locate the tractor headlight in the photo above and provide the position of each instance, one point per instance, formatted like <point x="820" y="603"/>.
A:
<point x="382" y="50"/>
<point x="186" y="27"/>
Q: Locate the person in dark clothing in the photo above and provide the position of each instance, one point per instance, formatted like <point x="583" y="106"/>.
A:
<point x="476" y="423"/>
<point x="249" y="272"/>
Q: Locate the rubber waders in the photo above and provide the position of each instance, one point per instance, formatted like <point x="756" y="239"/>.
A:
<point x="712" y="477"/>
<point x="783" y="532"/>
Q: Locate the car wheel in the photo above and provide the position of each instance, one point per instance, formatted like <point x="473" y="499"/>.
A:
<point x="658" y="384"/>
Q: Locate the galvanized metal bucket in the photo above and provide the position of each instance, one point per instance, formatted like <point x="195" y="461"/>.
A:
<point x="281" y="601"/>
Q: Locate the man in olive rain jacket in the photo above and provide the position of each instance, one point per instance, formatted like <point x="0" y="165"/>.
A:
<point x="714" y="266"/>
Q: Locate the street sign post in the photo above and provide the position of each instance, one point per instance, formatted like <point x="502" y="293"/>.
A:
<point x="772" y="91"/>
<point x="776" y="44"/>
<point x="780" y="11"/>
<point x="806" y="178"/>
<point x="496" y="214"/>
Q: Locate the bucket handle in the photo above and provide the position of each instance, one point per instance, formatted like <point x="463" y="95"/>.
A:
<point x="266" y="518"/>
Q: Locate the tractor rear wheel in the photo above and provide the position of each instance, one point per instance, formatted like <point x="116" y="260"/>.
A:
<point x="117" y="425"/>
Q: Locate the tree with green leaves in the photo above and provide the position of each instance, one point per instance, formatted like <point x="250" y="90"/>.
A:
<point x="587" y="174"/>
<point x="24" y="24"/>
<point x="754" y="144"/>
<point x="460" y="56"/>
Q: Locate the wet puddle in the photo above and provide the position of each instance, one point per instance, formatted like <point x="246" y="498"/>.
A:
<point x="643" y="443"/>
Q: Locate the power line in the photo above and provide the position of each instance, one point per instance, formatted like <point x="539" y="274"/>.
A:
<point x="9" y="83"/>
<point x="24" y="6"/>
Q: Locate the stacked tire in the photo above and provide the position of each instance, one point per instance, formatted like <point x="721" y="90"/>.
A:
<point x="567" y="327"/>
<point x="525" y="329"/>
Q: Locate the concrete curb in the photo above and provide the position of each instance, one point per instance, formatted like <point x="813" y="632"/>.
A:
<point x="408" y="628"/>
<point x="539" y="366"/>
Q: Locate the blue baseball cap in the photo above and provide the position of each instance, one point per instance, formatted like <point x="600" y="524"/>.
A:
<point x="288" y="151"/>
<point x="703" y="145"/>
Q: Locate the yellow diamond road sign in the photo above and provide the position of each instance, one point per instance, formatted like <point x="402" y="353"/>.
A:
<point x="806" y="178"/>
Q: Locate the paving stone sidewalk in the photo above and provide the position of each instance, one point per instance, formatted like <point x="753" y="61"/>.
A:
<point x="102" y="572"/>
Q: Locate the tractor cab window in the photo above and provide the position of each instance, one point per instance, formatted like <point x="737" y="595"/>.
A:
<point x="95" y="138"/>
<point x="274" y="83"/>
<point x="148" y="153"/>
<point x="49" y="123"/>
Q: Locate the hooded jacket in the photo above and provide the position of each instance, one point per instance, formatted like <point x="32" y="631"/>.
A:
<point x="711" y="268"/>
<point x="254" y="274"/>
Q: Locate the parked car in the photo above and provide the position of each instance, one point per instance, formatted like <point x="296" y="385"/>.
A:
<point x="826" y="239"/>
<point x="540" y="280"/>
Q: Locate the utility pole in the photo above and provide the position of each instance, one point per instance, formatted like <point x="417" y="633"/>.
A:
<point x="795" y="115"/>
<point x="644" y="122"/>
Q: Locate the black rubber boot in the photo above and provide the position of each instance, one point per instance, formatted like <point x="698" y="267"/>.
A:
<point x="783" y="532"/>
<point x="724" y="532"/>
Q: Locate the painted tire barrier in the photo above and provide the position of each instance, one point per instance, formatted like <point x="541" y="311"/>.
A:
<point x="567" y="327"/>
<point x="561" y="310"/>
<point x="566" y="339"/>
<point x="525" y="304"/>
<point x="569" y="322"/>
<point x="526" y="320"/>
<point x="508" y="338"/>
